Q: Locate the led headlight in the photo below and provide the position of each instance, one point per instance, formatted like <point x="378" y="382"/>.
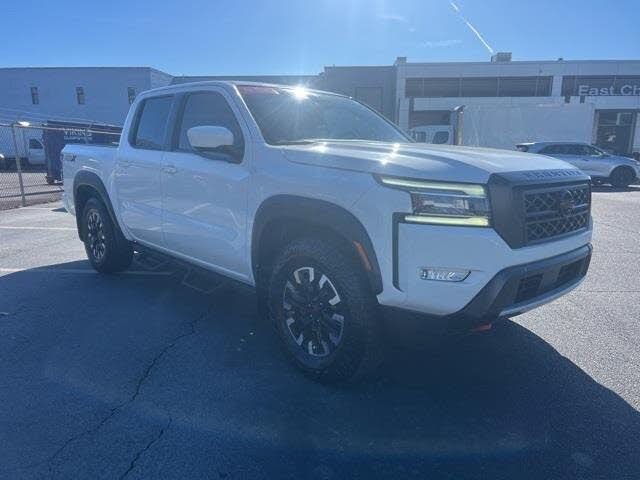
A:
<point x="444" y="203"/>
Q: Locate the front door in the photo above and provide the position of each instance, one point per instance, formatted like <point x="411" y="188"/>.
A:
<point x="36" y="152"/>
<point x="138" y="165"/>
<point x="205" y="194"/>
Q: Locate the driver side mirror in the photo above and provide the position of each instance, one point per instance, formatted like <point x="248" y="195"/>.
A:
<point x="211" y="139"/>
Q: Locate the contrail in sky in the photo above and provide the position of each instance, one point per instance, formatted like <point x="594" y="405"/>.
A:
<point x="471" y="27"/>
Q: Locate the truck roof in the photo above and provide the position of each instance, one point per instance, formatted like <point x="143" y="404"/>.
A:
<point x="221" y="83"/>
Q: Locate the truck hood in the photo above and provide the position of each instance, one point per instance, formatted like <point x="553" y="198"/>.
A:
<point x="419" y="160"/>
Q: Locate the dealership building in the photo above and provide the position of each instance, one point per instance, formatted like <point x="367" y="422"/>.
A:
<point x="495" y="103"/>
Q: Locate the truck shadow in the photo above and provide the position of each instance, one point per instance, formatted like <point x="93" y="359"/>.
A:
<point x="502" y="404"/>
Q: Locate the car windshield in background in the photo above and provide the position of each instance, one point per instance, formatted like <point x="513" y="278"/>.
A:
<point x="296" y="115"/>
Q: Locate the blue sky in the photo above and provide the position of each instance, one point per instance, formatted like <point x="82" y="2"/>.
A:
<point x="300" y="37"/>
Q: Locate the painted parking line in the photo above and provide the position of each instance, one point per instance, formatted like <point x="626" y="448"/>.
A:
<point x="78" y="270"/>
<point x="48" y="209"/>
<point x="9" y="227"/>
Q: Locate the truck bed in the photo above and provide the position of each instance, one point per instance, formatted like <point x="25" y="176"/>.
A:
<point x="98" y="159"/>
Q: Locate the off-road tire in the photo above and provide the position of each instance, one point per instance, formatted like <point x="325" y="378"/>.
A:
<point x="107" y="249"/>
<point x="359" y="352"/>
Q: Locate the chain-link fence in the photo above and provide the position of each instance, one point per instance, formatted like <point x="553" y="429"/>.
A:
<point x="30" y="165"/>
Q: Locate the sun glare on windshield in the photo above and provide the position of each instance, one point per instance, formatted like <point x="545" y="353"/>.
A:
<point x="300" y="93"/>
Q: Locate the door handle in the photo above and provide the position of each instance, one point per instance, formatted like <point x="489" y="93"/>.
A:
<point x="170" y="169"/>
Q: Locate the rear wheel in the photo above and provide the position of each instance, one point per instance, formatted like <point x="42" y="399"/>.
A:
<point x="622" y="177"/>
<point x="107" y="249"/>
<point x="324" y="311"/>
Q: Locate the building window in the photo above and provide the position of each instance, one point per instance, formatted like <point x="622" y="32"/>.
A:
<point x="80" y="95"/>
<point x="479" y="87"/>
<point x="438" y="87"/>
<point x="131" y="94"/>
<point x="35" y="98"/>
<point x="414" y="87"/>
<point x="442" y="87"/>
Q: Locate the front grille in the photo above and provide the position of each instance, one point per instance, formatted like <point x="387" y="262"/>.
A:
<point x="552" y="212"/>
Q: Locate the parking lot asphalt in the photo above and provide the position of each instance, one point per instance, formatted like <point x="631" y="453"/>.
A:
<point x="163" y="373"/>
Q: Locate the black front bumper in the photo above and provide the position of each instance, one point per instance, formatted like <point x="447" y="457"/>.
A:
<point x="510" y="292"/>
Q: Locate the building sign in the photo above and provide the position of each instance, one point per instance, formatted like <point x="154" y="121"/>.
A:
<point x="592" y="86"/>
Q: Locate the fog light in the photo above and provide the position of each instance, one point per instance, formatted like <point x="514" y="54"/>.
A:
<point x="444" y="274"/>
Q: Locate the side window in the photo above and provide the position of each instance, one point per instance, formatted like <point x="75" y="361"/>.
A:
<point x="578" y="150"/>
<point x="34" y="144"/>
<point x="208" y="108"/>
<point x="592" y="152"/>
<point x="152" y="123"/>
<point x="551" y="150"/>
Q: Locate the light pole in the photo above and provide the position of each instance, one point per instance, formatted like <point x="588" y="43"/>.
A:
<point x="18" y="160"/>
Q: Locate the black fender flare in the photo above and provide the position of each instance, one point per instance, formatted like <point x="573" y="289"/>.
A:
<point x="89" y="179"/>
<point x="318" y="213"/>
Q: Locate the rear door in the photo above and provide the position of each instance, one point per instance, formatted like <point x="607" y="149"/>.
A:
<point x="205" y="194"/>
<point x="137" y="172"/>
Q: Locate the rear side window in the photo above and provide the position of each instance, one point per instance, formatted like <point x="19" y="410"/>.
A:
<point x="208" y="108"/>
<point x="152" y="123"/>
<point x="555" y="149"/>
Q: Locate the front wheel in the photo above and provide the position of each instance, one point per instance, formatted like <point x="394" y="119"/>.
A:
<point x="324" y="311"/>
<point x="107" y="249"/>
<point x="622" y="177"/>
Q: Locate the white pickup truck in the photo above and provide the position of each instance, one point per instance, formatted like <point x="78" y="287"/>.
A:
<point x="335" y="216"/>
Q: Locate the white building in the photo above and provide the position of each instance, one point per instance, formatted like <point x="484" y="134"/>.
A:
<point x="84" y="94"/>
<point x="507" y="102"/>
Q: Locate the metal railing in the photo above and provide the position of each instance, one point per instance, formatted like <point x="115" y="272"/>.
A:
<point x="30" y="164"/>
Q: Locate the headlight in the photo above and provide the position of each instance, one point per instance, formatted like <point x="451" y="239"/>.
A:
<point x="444" y="203"/>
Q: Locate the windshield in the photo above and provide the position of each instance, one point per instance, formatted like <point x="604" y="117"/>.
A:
<point x="295" y="115"/>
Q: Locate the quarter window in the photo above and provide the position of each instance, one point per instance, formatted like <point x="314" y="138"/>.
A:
<point x="152" y="123"/>
<point x="209" y="108"/>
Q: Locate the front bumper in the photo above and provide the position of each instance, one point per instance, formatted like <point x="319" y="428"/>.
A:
<point x="515" y="290"/>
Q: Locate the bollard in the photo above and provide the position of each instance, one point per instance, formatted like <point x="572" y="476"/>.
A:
<point x="18" y="164"/>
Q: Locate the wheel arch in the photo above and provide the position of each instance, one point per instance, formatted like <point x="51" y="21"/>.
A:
<point x="283" y="217"/>
<point x="86" y="185"/>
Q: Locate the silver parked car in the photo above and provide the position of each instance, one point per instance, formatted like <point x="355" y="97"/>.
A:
<point x="601" y="166"/>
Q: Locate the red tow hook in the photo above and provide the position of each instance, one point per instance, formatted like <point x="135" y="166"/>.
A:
<point x="482" y="328"/>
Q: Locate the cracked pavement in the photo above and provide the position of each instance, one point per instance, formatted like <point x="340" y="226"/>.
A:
<point x="165" y="373"/>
